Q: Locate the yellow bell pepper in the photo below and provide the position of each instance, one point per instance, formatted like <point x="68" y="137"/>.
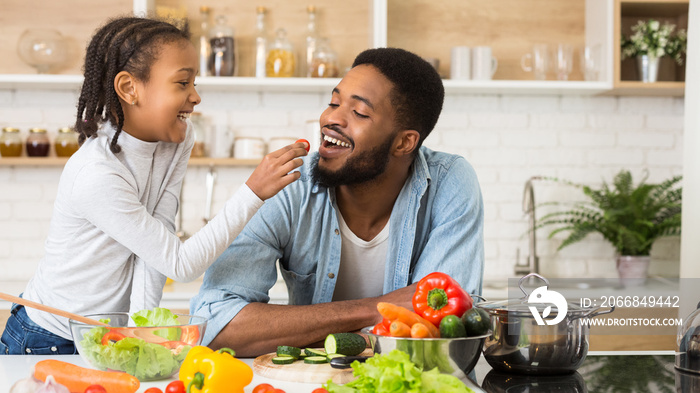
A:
<point x="208" y="371"/>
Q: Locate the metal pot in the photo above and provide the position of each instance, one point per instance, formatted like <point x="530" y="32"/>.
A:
<point x="688" y="343"/>
<point x="530" y="336"/>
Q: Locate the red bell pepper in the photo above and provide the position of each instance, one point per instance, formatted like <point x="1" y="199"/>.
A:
<point x="438" y="295"/>
<point x="111" y="335"/>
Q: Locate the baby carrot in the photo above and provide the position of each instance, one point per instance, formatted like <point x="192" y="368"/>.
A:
<point x="77" y="378"/>
<point x="419" y="330"/>
<point x="394" y="312"/>
<point x="399" y="329"/>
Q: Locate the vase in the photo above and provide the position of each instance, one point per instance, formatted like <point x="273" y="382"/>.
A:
<point x="648" y="67"/>
<point x="633" y="270"/>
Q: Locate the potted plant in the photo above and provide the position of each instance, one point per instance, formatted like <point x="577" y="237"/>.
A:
<point x="631" y="217"/>
<point x="649" y="42"/>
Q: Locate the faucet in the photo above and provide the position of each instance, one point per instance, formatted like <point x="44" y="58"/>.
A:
<point x="532" y="265"/>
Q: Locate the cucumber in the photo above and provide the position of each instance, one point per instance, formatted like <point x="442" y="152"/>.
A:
<point x="314" y="352"/>
<point x="283" y="360"/>
<point x="349" y="344"/>
<point x="451" y="327"/>
<point x="287" y="350"/>
<point x="476" y="321"/>
<point x="315" y="359"/>
<point x="334" y="355"/>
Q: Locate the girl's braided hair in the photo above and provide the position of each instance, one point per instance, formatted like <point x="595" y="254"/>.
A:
<point x="123" y="44"/>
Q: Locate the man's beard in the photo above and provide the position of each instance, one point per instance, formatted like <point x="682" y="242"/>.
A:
<point x="359" y="169"/>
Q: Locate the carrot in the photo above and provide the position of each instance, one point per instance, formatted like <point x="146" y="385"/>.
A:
<point x="77" y="378"/>
<point x="399" y="329"/>
<point x="419" y="330"/>
<point x="394" y="312"/>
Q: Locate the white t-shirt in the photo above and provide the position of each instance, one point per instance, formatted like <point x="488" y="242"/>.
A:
<point x="361" y="272"/>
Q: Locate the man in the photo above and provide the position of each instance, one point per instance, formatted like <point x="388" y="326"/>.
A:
<point x="372" y="213"/>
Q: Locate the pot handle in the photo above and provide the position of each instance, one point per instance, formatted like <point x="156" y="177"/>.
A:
<point x="522" y="279"/>
<point x="594" y="313"/>
<point x="483" y="299"/>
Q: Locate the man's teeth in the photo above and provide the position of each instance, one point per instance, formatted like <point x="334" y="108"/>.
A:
<point x="183" y="115"/>
<point x="335" y="141"/>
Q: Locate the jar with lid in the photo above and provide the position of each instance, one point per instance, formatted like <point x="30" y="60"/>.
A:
<point x="222" y="60"/>
<point x="10" y="142"/>
<point x="38" y="143"/>
<point x="280" y="58"/>
<point x="325" y="61"/>
<point x="66" y="142"/>
<point x="199" y="129"/>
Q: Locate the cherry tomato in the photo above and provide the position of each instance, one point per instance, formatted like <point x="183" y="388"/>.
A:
<point x="308" y="145"/>
<point x="317" y="390"/>
<point x="263" y="388"/>
<point x="153" y="390"/>
<point x="95" y="389"/>
<point x="175" y="387"/>
<point x="276" y="391"/>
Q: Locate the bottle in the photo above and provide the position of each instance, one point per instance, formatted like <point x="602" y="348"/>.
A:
<point x="324" y="63"/>
<point x="222" y="61"/>
<point x="10" y="142"/>
<point x="204" y="46"/>
<point x="260" y="43"/>
<point x="38" y="143"/>
<point x="66" y="142"/>
<point x="280" y="58"/>
<point x="311" y="40"/>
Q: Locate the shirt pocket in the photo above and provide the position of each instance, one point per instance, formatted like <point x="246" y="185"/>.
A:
<point x="300" y="287"/>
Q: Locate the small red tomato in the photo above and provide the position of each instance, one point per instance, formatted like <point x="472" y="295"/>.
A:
<point x="319" y="390"/>
<point x="153" y="390"/>
<point x="175" y="387"/>
<point x="95" y="389"/>
<point x="308" y="145"/>
<point x="263" y="388"/>
<point x="276" y="391"/>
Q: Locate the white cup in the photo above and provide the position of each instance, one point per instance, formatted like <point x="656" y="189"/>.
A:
<point x="484" y="65"/>
<point x="248" y="148"/>
<point x="460" y="63"/>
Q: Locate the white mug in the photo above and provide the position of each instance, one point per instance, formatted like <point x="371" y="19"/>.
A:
<point x="249" y="148"/>
<point x="484" y="65"/>
<point x="460" y="63"/>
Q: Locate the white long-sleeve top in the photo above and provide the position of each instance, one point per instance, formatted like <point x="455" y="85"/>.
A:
<point x="111" y="240"/>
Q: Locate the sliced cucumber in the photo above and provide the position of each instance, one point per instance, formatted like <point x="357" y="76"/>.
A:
<point x="283" y="360"/>
<point x="349" y="344"/>
<point x="334" y="355"/>
<point x="287" y="350"/>
<point x="315" y="359"/>
<point x="315" y="352"/>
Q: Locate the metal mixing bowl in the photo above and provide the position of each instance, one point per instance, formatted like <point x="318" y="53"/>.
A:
<point x="456" y="356"/>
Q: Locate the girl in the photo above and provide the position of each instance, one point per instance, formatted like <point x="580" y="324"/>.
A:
<point x="111" y="240"/>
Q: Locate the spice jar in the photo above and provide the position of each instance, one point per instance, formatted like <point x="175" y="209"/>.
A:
<point x="66" y="142"/>
<point x="324" y="63"/>
<point x="222" y="60"/>
<point x="38" y="143"/>
<point x="280" y="58"/>
<point x="10" y="142"/>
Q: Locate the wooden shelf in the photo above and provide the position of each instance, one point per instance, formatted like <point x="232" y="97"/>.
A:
<point x="61" y="161"/>
<point x="636" y="88"/>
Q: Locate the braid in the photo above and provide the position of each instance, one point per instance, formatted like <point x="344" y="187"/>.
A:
<point x="122" y="44"/>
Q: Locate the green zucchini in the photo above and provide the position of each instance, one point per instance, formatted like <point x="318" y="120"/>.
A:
<point x="476" y="321"/>
<point x="451" y="326"/>
<point x="288" y="350"/>
<point x="314" y="352"/>
<point x="315" y="359"/>
<point x="349" y="344"/>
<point x="283" y="360"/>
<point x="334" y="355"/>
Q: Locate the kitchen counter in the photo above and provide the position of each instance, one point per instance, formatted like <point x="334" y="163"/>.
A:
<point x="638" y="371"/>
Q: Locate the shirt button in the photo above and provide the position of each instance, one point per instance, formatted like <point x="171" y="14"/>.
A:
<point x="331" y="275"/>
<point x="54" y="349"/>
<point x="337" y="231"/>
<point x="28" y="350"/>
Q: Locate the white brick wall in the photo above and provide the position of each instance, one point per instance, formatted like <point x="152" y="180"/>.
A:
<point x="506" y="138"/>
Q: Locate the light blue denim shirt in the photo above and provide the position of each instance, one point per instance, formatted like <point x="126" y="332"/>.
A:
<point x="436" y="225"/>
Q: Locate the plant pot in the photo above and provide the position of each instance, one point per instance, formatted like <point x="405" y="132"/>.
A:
<point x="648" y="67"/>
<point x="633" y="270"/>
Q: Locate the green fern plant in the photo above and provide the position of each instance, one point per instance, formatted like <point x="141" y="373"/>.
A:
<point x="630" y="217"/>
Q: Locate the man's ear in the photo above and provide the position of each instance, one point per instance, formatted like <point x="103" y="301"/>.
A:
<point x="125" y="86"/>
<point x="406" y="142"/>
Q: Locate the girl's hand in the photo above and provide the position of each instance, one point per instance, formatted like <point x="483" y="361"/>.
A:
<point x="275" y="171"/>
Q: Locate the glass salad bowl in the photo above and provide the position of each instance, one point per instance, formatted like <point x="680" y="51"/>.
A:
<point x="146" y="352"/>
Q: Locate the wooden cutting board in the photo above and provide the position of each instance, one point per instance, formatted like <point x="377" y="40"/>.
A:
<point x="303" y="372"/>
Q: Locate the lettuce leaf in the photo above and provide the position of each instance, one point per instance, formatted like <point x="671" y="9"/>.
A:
<point x="394" y="372"/>
<point x="159" y="317"/>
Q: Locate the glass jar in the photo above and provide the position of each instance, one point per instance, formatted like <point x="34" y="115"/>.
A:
<point x="66" y="142"/>
<point x="38" y="143"/>
<point x="10" y="142"/>
<point x="280" y="58"/>
<point x="222" y="60"/>
<point x="325" y="61"/>
<point x="200" y="141"/>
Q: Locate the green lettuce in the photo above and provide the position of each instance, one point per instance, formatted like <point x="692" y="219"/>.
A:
<point x="394" y="372"/>
<point x="159" y="317"/>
